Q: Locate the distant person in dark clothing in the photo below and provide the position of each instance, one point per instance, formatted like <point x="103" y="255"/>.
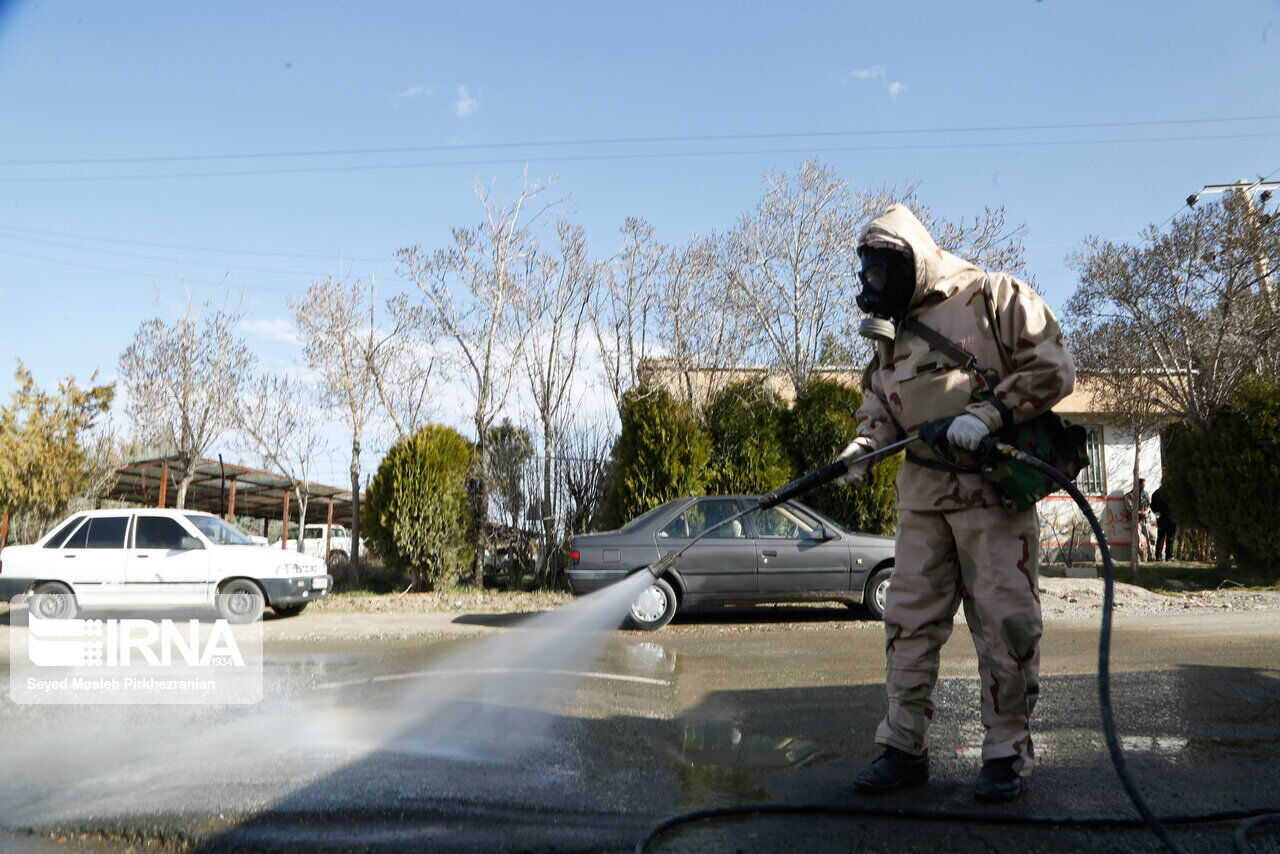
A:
<point x="1166" y="527"/>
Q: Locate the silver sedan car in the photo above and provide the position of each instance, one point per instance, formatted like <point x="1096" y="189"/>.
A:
<point x="787" y="553"/>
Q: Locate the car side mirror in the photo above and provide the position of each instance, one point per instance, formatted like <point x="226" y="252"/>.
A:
<point x="825" y="533"/>
<point x="188" y="544"/>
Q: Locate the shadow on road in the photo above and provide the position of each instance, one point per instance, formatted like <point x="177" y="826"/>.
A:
<point x="497" y="621"/>
<point x="782" y="613"/>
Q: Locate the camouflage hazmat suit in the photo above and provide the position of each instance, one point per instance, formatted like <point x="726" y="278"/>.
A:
<point x="956" y="544"/>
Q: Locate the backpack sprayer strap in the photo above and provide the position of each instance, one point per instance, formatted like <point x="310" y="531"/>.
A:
<point x="962" y="357"/>
<point x="1048" y="436"/>
<point x="943" y="344"/>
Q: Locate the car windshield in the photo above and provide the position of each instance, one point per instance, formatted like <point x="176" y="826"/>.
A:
<point x="219" y="532"/>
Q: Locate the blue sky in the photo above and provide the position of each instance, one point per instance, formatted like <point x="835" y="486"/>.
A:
<point x="146" y="80"/>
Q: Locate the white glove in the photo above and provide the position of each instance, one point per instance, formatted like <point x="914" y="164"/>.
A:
<point x="857" y="448"/>
<point x="966" y="432"/>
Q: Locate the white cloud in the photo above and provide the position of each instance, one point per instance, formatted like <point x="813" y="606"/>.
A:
<point x="411" y="93"/>
<point x="466" y="103"/>
<point x="274" y="329"/>
<point x="879" y="74"/>
<point x="861" y="75"/>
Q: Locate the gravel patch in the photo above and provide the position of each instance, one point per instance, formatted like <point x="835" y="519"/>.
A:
<point x="1081" y="599"/>
<point x="444" y="602"/>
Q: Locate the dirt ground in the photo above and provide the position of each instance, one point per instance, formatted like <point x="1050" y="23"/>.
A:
<point x="395" y="616"/>
<point x="1065" y="598"/>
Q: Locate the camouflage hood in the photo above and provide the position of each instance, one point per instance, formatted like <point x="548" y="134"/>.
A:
<point x="937" y="271"/>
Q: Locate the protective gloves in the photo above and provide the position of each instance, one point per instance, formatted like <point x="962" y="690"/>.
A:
<point x="966" y="431"/>
<point x="857" y="448"/>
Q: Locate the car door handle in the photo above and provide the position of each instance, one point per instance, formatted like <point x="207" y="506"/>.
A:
<point x="769" y="552"/>
<point x="67" y="557"/>
<point x="142" y="557"/>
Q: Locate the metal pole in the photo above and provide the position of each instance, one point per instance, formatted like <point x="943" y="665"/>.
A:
<point x="1266" y="286"/>
<point x="284" y="533"/>
<point x="164" y="483"/>
<point x="222" y="486"/>
<point x="231" y="502"/>
<point x="4" y="530"/>
<point x="1261" y="264"/>
<point x="328" y="531"/>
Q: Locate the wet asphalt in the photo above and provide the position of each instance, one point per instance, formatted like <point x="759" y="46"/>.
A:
<point x="360" y="745"/>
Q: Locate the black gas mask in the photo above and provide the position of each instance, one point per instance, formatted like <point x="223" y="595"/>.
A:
<point x="888" y="283"/>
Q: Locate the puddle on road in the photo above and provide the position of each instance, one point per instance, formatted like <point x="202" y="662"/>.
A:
<point x="648" y="657"/>
<point x="729" y="747"/>
<point x="718" y="764"/>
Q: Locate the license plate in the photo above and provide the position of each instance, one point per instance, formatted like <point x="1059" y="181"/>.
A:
<point x="319" y="583"/>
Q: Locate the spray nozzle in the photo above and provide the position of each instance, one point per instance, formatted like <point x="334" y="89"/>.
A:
<point x="659" y="567"/>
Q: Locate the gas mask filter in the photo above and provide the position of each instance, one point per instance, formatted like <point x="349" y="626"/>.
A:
<point x="888" y="282"/>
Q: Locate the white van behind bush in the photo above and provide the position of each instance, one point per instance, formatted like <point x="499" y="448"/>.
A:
<point x="159" y="558"/>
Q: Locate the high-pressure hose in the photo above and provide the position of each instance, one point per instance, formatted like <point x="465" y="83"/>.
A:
<point x="989" y="446"/>
<point x="1104" y="637"/>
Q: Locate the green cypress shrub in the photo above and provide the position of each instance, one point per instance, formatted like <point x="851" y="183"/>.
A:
<point x="1225" y="479"/>
<point x="661" y="454"/>
<point x="822" y="422"/>
<point x="1181" y="480"/>
<point x="415" y="513"/>
<point x="748" y="450"/>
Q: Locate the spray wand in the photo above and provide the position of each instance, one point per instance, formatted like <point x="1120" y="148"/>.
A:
<point x="799" y="486"/>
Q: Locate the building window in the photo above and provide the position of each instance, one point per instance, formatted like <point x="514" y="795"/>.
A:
<point x="1093" y="480"/>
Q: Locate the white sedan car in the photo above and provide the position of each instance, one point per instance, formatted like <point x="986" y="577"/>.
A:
<point x="149" y="558"/>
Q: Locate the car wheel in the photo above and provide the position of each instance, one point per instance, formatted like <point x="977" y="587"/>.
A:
<point x="878" y="592"/>
<point x="289" y="610"/>
<point x="338" y="558"/>
<point x="241" y="601"/>
<point x="53" y="601"/>
<point x="654" y="607"/>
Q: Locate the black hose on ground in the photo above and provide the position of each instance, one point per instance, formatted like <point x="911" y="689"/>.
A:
<point x="1252" y="818"/>
<point x="1104" y="644"/>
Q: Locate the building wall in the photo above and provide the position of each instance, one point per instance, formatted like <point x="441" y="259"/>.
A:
<point x="1064" y="532"/>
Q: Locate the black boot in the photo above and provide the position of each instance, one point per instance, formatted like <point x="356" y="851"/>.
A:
<point x="997" y="782"/>
<point x="892" y="771"/>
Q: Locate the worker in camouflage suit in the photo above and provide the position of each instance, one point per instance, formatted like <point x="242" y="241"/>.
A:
<point x="956" y="545"/>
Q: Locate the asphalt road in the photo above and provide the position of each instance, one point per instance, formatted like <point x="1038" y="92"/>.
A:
<point x="480" y="733"/>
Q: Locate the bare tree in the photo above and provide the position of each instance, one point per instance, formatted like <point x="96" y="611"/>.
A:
<point x="471" y="289"/>
<point x="183" y="381"/>
<point x="1169" y="327"/>
<point x="702" y="328"/>
<point x="791" y="261"/>
<point x="404" y="372"/>
<point x="588" y="467"/>
<point x="276" y="418"/>
<point x="1184" y="302"/>
<point x="347" y="347"/>
<point x="555" y="312"/>
<point x="624" y="313"/>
